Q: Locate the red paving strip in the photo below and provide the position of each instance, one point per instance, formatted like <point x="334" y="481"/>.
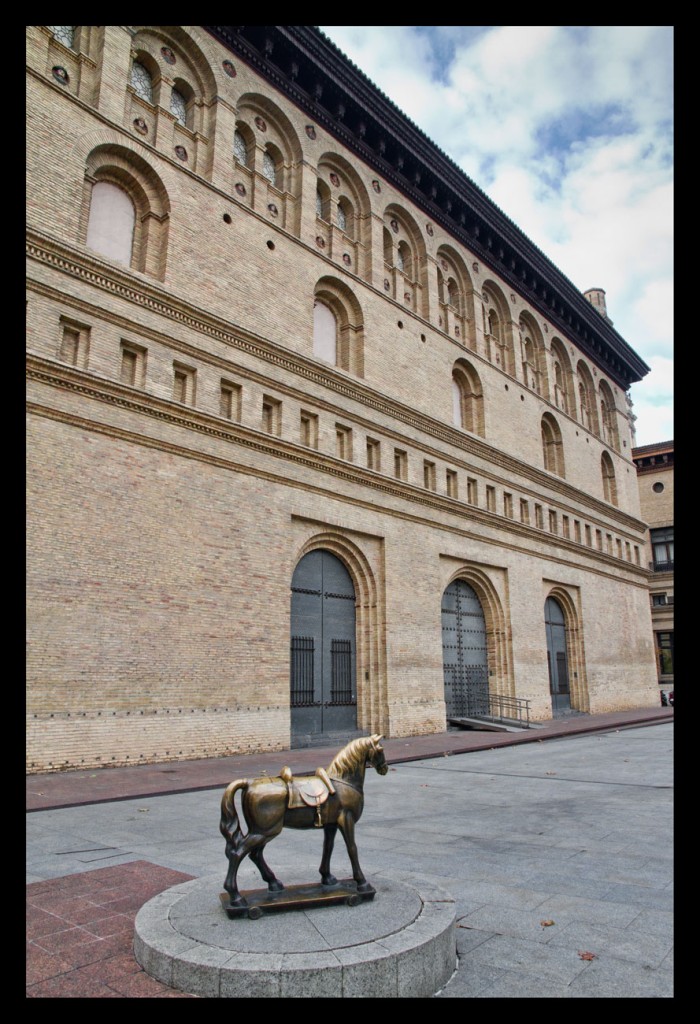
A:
<point x="80" y="933"/>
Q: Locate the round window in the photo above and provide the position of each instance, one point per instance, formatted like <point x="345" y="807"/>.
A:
<point x="658" y="488"/>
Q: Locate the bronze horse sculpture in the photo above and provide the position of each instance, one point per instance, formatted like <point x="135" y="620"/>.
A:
<point x="332" y="799"/>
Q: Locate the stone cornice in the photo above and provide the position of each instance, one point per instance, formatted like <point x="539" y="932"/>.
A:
<point x="146" y="294"/>
<point x="306" y="67"/>
<point x="69" y="379"/>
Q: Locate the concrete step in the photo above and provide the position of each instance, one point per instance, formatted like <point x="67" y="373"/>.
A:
<point x="487" y="725"/>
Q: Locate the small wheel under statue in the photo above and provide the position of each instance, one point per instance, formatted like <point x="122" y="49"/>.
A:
<point x="254" y="913"/>
<point x="354" y="900"/>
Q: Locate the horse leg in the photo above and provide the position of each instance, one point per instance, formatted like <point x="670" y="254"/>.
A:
<point x="231" y="884"/>
<point x="327" y="878"/>
<point x="268" y="875"/>
<point x="346" y="823"/>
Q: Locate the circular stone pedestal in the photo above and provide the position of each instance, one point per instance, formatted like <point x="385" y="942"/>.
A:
<point x="401" y="943"/>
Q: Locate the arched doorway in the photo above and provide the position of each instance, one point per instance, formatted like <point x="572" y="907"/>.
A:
<point x="464" y="652"/>
<point x="557" y="660"/>
<point x="323" y="688"/>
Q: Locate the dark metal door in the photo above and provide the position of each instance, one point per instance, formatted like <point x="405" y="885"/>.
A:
<point x="556" y="655"/>
<point x="323" y="687"/>
<point x="464" y="652"/>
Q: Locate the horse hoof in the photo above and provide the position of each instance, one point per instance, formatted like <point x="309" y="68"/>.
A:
<point x="329" y="880"/>
<point x="366" y="887"/>
<point x="237" y="901"/>
<point x="275" y="886"/>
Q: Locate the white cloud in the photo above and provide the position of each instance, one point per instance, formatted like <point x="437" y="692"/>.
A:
<point x="569" y="131"/>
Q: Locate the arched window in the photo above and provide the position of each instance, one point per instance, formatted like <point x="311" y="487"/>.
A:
<point x="388" y="248"/>
<point x="341" y="218"/>
<point x="583" y="402"/>
<point x="587" y="398"/>
<point x="338" y="329"/>
<point x="64" y="33"/>
<point x="467" y="398"/>
<point x="125" y="212"/>
<point x="269" y="167"/>
<point x="609" y="483"/>
<point x="608" y="419"/>
<point x="240" y="148"/>
<point x="552" y="447"/>
<point x="404" y="260"/>
<point x="325" y="333"/>
<point x="178" y="106"/>
<point x="560" y="398"/>
<point x="345" y="217"/>
<point x="142" y="81"/>
<point x="111" y="224"/>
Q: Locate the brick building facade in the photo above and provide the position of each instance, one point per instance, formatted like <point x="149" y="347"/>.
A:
<point x="318" y="441"/>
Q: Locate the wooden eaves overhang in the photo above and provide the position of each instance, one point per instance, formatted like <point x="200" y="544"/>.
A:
<point x="315" y="75"/>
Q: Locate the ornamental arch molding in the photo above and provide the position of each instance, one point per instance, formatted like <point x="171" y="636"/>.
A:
<point x="578" y="683"/>
<point x="498" y="632"/>
<point x="372" y="706"/>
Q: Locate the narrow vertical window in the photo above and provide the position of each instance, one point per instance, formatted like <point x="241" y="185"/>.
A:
<point x="589" y="537"/>
<point x="268" y="168"/>
<point x="308" y="429"/>
<point x="451" y="483"/>
<point x="490" y="498"/>
<point x="373" y="454"/>
<point x="183" y="384"/>
<point x="343" y="436"/>
<point x="524" y="511"/>
<point x="74" y="343"/>
<point x="230" y="400"/>
<point x="132" y="370"/>
<point x="400" y="464"/>
<point x="271" y="415"/>
<point x="565" y="526"/>
<point x="553" y="522"/>
<point x="472" y="491"/>
<point x="539" y="518"/>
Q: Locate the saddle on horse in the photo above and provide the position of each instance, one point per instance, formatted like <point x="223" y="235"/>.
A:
<point x="308" y="791"/>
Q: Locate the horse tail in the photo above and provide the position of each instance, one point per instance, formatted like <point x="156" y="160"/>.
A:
<point x="229" y="826"/>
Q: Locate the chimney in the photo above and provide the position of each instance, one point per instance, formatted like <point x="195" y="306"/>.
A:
<point x="596" y="297"/>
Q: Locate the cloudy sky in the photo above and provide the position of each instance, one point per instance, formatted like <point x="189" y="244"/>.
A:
<point x="569" y="131"/>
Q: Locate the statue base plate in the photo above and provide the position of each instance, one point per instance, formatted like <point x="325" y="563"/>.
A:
<point x="296" y="897"/>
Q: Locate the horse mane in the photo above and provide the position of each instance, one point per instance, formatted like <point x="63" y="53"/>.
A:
<point x="350" y="757"/>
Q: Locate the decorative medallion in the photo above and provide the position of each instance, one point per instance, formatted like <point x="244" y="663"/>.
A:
<point x="229" y="69"/>
<point x="429" y="229"/>
<point x="140" y="126"/>
<point x="261" y="124"/>
<point x="456" y="332"/>
<point x="311" y="131"/>
<point x="320" y="242"/>
<point x="443" y="264"/>
<point x="60" y="74"/>
<point x="440" y="321"/>
<point x="335" y="180"/>
<point x="512" y="297"/>
<point x="546" y="329"/>
<point x="387" y="286"/>
<point x="240" y="188"/>
<point x="273" y="209"/>
<point x="475" y="267"/>
<point x="407" y="297"/>
<point x="347" y="259"/>
<point x="181" y="153"/>
<point x="394" y="225"/>
<point x="376" y="186"/>
<point x="168" y="55"/>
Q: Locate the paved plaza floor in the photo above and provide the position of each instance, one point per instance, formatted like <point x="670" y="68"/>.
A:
<point x="559" y="855"/>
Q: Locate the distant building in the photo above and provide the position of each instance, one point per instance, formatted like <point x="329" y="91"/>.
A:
<point x="654" y="464"/>
<point x="319" y="442"/>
